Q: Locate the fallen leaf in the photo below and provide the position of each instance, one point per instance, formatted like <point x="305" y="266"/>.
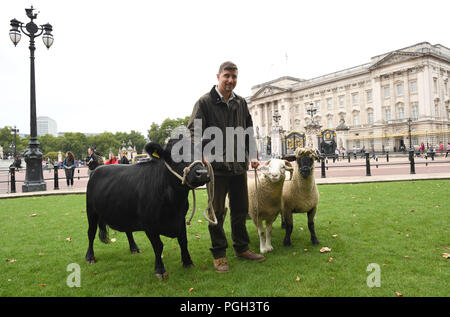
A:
<point x="95" y="272"/>
<point x="69" y="239"/>
<point x="446" y="255"/>
<point x="191" y="289"/>
<point x="334" y="235"/>
<point x="406" y="256"/>
<point x="11" y="260"/>
<point x="199" y="221"/>
<point x="298" y="278"/>
<point x="197" y="236"/>
<point x="113" y="240"/>
<point x="330" y="260"/>
<point x="332" y="278"/>
<point x="294" y="253"/>
<point x="301" y="228"/>
<point x="33" y="215"/>
<point x="398" y="294"/>
<point x="42" y="284"/>
<point x="203" y="267"/>
<point x="41" y="253"/>
<point x="325" y="249"/>
<point x="385" y="265"/>
<point x="411" y="210"/>
<point x="306" y="250"/>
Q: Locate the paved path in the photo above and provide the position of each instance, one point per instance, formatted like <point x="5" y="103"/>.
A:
<point x="354" y="172"/>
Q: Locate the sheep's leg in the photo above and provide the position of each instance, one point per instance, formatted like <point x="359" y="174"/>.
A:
<point x="262" y="240"/>
<point x="268" y="237"/>
<point x="311" y="215"/>
<point x="289" y="224"/>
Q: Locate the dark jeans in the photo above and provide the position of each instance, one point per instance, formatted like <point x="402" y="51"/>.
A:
<point x="69" y="176"/>
<point x="236" y="188"/>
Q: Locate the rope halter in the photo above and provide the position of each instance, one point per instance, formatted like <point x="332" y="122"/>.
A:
<point x="209" y="187"/>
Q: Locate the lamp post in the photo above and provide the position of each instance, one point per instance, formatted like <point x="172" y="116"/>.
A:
<point x="15" y="131"/>
<point x="276" y="133"/>
<point x="409" y="132"/>
<point x="34" y="180"/>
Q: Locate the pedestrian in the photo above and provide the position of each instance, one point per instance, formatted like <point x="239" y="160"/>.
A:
<point x="112" y="160"/>
<point x="441" y="149"/>
<point x="69" y="168"/>
<point x="124" y="158"/>
<point x="222" y="109"/>
<point x="91" y="161"/>
<point x="448" y="149"/>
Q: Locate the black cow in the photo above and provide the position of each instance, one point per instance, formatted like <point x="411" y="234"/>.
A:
<point x="143" y="197"/>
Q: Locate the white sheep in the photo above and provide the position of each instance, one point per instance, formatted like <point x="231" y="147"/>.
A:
<point x="301" y="195"/>
<point x="264" y="203"/>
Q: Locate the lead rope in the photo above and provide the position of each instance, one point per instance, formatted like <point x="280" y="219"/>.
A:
<point x="256" y="196"/>
<point x="209" y="187"/>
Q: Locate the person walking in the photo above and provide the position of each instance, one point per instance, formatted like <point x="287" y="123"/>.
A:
<point x="91" y="161"/>
<point x="69" y="167"/>
<point x="223" y="109"/>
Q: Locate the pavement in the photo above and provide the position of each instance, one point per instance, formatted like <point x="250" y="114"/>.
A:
<point x="442" y="173"/>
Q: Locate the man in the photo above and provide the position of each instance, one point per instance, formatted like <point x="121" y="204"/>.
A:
<point x="222" y="108"/>
<point x="92" y="161"/>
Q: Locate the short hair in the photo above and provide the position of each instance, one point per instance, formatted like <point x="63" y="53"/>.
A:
<point x="227" y="66"/>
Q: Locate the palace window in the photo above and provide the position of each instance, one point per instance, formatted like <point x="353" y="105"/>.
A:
<point x="330" y="123"/>
<point x="370" y="117"/>
<point x="356" y="119"/>
<point x="400" y="112"/>
<point x="400" y="90"/>
<point x="415" y="112"/>
<point x="435" y="86"/>
<point x="341" y="101"/>
<point x="413" y="86"/>
<point x="329" y="104"/>
<point x="355" y="99"/>
<point x="369" y="95"/>
<point x="387" y="114"/>
<point x="387" y="92"/>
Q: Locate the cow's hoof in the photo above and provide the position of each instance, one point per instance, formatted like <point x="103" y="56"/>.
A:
<point x="90" y="259"/>
<point x="163" y="276"/>
<point x="135" y="251"/>
<point x="188" y="265"/>
<point x="287" y="243"/>
<point x="315" y="241"/>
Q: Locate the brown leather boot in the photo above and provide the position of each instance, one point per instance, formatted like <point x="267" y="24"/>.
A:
<point x="221" y="265"/>
<point x="250" y="255"/>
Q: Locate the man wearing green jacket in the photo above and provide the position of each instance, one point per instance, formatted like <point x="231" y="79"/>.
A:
<point x="226" y="112"/>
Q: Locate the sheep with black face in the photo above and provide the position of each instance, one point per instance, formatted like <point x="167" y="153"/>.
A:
<point x="301" y="195"/>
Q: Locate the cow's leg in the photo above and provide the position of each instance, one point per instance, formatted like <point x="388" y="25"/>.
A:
<point x="133" y="246"/>
<point x="311" y="215"/>
<point x="183" y="242"/>
<point x="157" y="245"/>
<point x="92" y="230"/>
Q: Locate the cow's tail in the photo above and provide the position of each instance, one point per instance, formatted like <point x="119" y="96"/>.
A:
<point x="103" y="233"/>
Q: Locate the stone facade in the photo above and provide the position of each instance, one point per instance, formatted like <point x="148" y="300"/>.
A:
<point x="375" y="100"/>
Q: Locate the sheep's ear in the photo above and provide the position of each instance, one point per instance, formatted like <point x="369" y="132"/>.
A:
<point x="267" y="163"/>
<point x="288" y="165"/>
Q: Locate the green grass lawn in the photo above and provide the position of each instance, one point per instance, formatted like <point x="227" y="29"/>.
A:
<point x="401" y="226"/>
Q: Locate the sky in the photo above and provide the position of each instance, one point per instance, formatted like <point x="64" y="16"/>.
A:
<point x="121" y="65"/>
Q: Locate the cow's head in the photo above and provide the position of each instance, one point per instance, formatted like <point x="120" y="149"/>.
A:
<point x="305" y="158"/>
<point x="275" y="169"/>
<point x="193" y="173"/>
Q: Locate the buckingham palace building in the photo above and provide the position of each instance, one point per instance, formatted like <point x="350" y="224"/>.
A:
<point x="398" y="99"/>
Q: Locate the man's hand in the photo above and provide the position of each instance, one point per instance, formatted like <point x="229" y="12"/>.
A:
<point x="254" y="164"/>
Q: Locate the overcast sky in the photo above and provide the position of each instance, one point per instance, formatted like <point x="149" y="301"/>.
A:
<point x="121" y="65"/>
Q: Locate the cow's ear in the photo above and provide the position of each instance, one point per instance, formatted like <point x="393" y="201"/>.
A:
<point x="154" y="150"/>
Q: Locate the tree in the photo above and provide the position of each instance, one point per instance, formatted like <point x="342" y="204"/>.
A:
<point x="136" y="138"/>
<point x="159" y="133"/>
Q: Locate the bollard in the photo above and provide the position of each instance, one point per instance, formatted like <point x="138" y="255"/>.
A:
<point x="322" y="165"/>
<point x="376" y="159"/>
<point x="78" y="173"/>
<point x="12" y="170"/>
<point x="55" y="177"/>
<point x="348" y="156"/>
<point x="367" y="164"/>
<point x="387" y="156"/>
<point x="426" y="160"/>
<point x="411" y="161"/>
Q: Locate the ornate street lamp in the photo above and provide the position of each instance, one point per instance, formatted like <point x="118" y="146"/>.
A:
<point x="34" y="180"/>
<point x="409" y="132"/>
<point x="15" y="131"/>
